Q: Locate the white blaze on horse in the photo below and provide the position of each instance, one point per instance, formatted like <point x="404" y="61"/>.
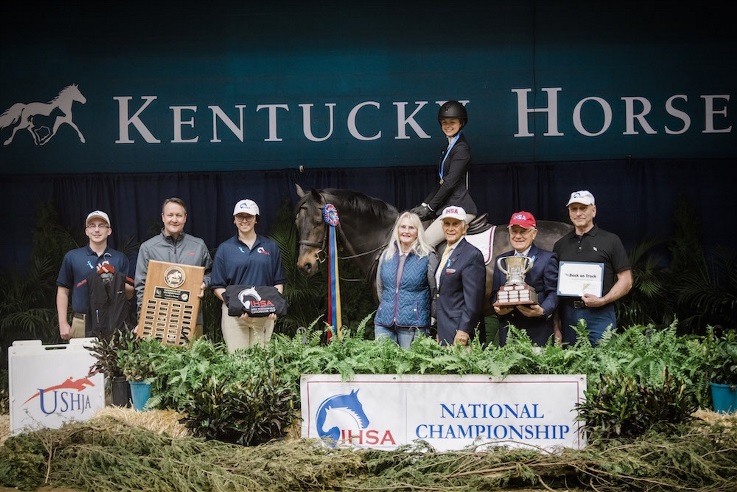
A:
<point x="366" y="224"/>
<point x="23" y="116"/>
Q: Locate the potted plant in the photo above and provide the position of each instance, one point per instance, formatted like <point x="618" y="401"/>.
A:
<point x="137" y="359"/>
<point x="105" y="351"/>
<point x="720" y="358"/>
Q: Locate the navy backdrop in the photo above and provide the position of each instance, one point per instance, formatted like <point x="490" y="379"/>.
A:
<point x="219" y="101"/>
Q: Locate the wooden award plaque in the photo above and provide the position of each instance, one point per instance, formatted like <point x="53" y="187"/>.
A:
<point x="171" y="302"/>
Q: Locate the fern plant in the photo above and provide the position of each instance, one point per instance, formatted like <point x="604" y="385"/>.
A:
<point x="703" y="286"/>
<point x="28" y="299"/>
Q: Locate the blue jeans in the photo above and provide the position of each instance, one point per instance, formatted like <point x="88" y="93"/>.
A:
<point x="403" y="336"/>
<point x="597" y="321"/>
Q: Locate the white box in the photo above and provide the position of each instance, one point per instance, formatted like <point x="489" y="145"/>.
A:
<point x="49" y="384"/>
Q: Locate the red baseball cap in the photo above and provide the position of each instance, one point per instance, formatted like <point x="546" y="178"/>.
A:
<point x="523" y="219"/>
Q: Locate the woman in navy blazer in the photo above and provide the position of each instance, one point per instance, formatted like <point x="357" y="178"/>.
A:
<point x="535" y="319"/>
<point x="461" y="278"/>
<point x="453" y="168"/>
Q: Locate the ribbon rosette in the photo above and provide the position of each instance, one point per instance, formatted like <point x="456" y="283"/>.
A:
<point x="330" y="216"/>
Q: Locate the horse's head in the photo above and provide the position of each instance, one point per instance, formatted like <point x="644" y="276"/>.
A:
<point x="312" y="231"/>
<point x="364" y="228"/>
<point x="72" y="91"/>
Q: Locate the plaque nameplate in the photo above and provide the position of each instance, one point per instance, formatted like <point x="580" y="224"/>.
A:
<point x="171" y="302"/>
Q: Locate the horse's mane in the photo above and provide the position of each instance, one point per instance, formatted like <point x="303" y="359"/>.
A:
<point x="359" y="202"/>
<point x="64" y="91"/>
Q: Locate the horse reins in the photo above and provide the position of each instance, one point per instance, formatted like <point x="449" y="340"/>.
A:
<point x="321" y="255"/>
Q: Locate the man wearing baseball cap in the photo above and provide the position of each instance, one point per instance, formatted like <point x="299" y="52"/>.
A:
<point x="536" y="319"/>
<point x="461" y="282"/>
<point x="587" y="243"/>
<point x="246" y="259"/>
<point x="77" y="266"/>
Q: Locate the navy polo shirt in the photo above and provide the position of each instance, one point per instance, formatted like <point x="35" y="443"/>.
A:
<point x="237" y="264"/>
<point x="78" y="264"/>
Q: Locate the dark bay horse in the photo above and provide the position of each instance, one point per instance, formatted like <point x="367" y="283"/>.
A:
<point x="365" y="226"/>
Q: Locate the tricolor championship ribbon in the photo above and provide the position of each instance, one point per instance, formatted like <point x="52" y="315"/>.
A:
<point x="330" y="216"/>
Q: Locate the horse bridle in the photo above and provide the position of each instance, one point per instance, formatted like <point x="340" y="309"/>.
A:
<point x="321" y="253"/>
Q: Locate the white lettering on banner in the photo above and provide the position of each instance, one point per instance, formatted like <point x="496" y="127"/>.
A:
<point x="178" y="122"/>
<point x="710" y="112"/>
<point x="403" y="121"/>
<point x="353" y="128"/>
<point x="219" y="114"/>
<point x="636" y="110"/>
<point x="637" y="114"/>
<point x="272" y="119"/>
<point x="307" y="121"/>
<point x="124" y="122"/>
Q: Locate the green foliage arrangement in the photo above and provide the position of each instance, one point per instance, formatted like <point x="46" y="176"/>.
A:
<point x="240" y="398"/>
<point x="720" y="356"/>
<point x="108" y="455"/>
<point x="28" y="298"/>
<point x="637" y="380"/>
<point x="105" y="352"/>
<point x="140" y="358"/>
<point x="702" y="284"/>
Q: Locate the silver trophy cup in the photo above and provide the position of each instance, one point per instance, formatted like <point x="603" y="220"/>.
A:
<point x="515" y="290"/>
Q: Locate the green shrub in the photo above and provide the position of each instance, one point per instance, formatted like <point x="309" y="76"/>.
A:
<point x="623" y="405"/>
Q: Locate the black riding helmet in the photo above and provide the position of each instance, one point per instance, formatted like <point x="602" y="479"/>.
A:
<point x="453" y="109"/>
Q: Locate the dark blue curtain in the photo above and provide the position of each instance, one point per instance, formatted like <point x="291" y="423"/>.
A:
<point x="635" y="199"/>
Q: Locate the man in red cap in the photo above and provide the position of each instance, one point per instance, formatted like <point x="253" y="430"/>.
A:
<point x="536" y="319"/>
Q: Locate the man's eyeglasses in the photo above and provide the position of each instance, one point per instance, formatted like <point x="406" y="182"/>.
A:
<point x="98" y="226"/>
<point x="245" y="218"/>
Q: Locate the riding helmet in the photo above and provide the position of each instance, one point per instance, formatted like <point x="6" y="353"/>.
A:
<point x="453" y="109"/>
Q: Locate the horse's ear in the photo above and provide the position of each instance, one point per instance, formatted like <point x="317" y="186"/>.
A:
<point x="300" y="192"/>
<point x="316" y="195"/>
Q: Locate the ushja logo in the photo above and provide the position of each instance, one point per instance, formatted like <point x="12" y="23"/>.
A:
<point x="65" y="397"/>
<point x="30" y="116"/>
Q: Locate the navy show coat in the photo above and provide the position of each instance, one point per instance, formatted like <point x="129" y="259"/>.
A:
<point x="460" y="295"/>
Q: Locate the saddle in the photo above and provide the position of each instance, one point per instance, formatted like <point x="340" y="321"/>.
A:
<point x="478" y="225"/>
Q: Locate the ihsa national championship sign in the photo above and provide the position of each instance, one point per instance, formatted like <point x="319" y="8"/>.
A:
<point x="448" y="412"/>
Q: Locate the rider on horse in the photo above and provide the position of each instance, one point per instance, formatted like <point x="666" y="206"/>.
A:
<point x="452" y="188"/>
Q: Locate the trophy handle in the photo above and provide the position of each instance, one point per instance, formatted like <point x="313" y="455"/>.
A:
<point x="528" y="264"/>
<point x="499" y="265"/>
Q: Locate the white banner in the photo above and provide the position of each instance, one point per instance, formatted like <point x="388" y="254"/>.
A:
<point x="448" y="412"/>
<point x="49" y="384"/>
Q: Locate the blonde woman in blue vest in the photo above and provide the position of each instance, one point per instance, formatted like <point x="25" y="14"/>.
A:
<point x="405" y="283"/>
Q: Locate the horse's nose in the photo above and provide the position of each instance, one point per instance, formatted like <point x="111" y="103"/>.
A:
<point x="306" y="268"/>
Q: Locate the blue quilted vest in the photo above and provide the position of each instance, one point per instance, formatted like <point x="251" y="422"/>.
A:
<point x="410" y="304"/>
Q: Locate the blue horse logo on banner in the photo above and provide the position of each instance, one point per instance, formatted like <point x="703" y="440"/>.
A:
<point x="24" y="116"/>
<point x="339" y="413"/>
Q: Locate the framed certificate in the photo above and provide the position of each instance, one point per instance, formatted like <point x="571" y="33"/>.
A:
<point x="576" y="278"/>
